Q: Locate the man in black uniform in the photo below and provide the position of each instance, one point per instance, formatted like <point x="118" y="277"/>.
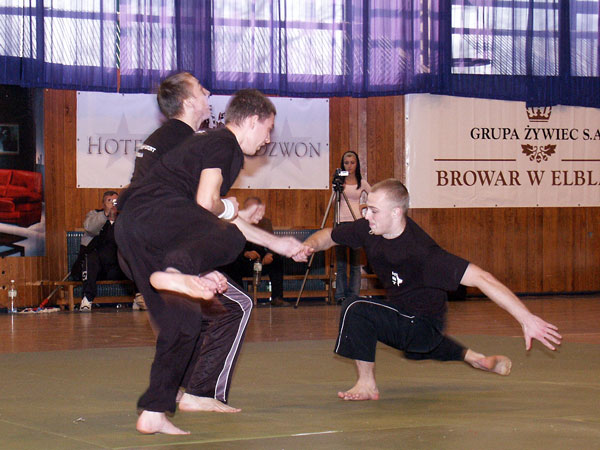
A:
<point x="174" y="228"/>
<point x="184" y="102"/>
<point x="417" y="274"/>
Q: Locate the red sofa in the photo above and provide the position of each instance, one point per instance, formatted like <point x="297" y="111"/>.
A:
<point x="20" y="197"/>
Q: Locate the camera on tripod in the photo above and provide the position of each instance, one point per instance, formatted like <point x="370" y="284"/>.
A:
<point x="338" y="179"/>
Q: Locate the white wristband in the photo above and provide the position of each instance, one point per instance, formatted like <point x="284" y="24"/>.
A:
<point x="229" y="210"/>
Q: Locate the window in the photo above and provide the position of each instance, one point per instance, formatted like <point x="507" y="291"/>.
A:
<point x="505" y="37"/>
<point x="308" y="37"/>
<point x="584" y="38"/>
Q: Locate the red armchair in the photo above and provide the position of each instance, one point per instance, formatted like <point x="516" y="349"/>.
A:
<point x="20" y="197"/>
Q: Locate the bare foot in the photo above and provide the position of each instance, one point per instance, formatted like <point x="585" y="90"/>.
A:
<point x="180" y="393"/>
<point x="151" y="422"/>
<point x="497" y="364"/>
<point x="203" y="287"/>
<point x="193" y="403"/>
<point x="360" y="393"/>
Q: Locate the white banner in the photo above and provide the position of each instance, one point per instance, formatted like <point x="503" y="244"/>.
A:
<point x="464" y="152"/>
<point x="109" y="126"/>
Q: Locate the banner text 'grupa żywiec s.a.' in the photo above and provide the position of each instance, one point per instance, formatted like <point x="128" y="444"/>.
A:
<point x="470" y="153"/>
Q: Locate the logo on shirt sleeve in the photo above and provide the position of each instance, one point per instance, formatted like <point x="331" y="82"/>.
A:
<point x="396" y="280"/>
<point x="139" y="152"/>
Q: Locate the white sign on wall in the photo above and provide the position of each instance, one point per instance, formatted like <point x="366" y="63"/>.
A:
<point x="464" y="152"/>
<point x="110" y="126"/>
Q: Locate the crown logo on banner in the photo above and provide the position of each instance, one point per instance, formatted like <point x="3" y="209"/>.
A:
<point x="539" y="113"/>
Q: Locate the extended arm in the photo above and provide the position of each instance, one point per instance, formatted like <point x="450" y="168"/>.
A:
<point x="533" y="326"/>
<point x="284" y="245"/>
<point x="320" y="240"/>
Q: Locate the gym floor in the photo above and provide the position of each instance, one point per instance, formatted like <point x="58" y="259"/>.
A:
<point x="71" y="381"/>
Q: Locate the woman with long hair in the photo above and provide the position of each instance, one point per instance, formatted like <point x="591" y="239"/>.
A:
<point x="356" y="190"/>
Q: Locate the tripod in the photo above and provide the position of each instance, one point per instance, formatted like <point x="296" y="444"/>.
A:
<point x="336" y="196"/>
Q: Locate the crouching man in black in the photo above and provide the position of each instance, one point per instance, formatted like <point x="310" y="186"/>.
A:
<point x="416" y="274"/>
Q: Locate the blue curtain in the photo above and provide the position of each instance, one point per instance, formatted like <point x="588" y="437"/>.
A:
<point x="71" y="48"/>
<point x="543" y="52"/>
<point x="160" y="37"/>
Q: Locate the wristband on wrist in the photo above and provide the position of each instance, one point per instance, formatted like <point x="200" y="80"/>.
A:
<point x="229" y="210"/>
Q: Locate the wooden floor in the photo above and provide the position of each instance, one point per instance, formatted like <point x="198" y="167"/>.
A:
<point x="576" y="316"/>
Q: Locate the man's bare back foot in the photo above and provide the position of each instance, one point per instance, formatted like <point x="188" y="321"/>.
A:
<point x="193" y="403"/>
<point x="151" y="422"/>
<point x="202" y="287"/>
<point x="496" y="364"/>
<point x="358" y="393"/>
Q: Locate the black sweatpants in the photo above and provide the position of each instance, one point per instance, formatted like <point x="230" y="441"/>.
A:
<point x="97" y="268"/>
<point x="224" y="323"/>
<point x="364" y="322"/>
<point x="178" y="233"/>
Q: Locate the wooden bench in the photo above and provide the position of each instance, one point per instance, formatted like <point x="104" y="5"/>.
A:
<point x="122" y="291"/>
<point x="67" y="292"/>
<point x="109" y="291"/>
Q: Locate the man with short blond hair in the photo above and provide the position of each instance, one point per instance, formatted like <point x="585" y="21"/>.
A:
<point x="417" y="274"/>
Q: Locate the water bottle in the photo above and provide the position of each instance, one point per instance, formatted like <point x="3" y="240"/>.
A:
<point x="257" y="271"/>
<point x="12" y="295"/>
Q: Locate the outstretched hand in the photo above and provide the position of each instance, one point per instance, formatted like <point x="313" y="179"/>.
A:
<point x="536" y="328"/>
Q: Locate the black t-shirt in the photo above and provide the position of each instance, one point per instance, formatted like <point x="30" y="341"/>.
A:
<point x="177" y="173"/>
<point x="163" y="140"/>
<point x="415" y="271"/>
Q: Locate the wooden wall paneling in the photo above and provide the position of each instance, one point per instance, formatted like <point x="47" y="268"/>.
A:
<point x="579" y="240"/>
<point x="558" y="250"/>
<point x="496" y="247"/>
<point x="399" y="154"/>
<point x="535" y="263"/>
<point x="74" y="211"/>
<point x="591" y="244"/>
<point x="525" y="267"/>
<point x="340" y="126"/>
<point x="54" y="146"/>
<point x="360" y="133"/>
<point x="516" y="270"/>
<point x="65" y="153"/>
<point x="380" y="138"/>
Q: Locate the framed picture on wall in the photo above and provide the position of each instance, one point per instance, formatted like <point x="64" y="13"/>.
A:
<point x="9" y="139"/>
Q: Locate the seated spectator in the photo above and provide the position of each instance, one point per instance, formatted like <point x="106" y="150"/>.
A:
<point x="272" y="263"/>
<point x="97" y="259"/>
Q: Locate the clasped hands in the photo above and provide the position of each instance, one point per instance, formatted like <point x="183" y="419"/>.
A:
<point x="292" y="248"/>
